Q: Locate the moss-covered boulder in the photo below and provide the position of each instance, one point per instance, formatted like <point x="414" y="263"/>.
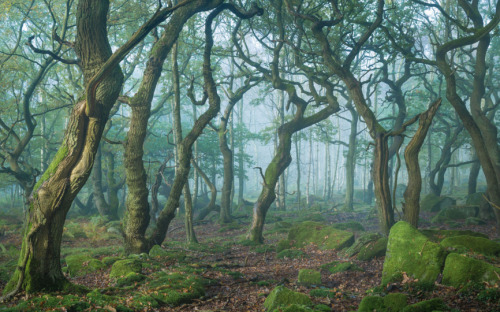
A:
<point x="460" y="270"/>
<point x="283" y="244"/>
<point x="363" y="240"/>
<point x="157" y="251"/>
<point x="337" y="266"/>
<point x="283" y="297"/>
<point x="435" y="304"/>
<point x="455" y="213"/>
<point x="433" y="203"/>
<point x="122" y="268"/>
<point x="110" y="260"/>
<point x="474" y="221"/>
<point x="291" y="254"/>
<point x="485" y="210"/>
<point x="175" y="288"/>
<point x="349" y="226"/>
<point x="309" y="278"/>
<point x="474" y="244"/>
<point x="325" y="237"/>
<point x="437" y="236"/>
<point x="82" y="264"/>
<point x="391" y="302"/>
<point x="373" y="249"/>
<point x="130" y="279"/>
<point x="410" y="251"/>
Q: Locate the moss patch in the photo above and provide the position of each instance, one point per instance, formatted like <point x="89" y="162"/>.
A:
<point x="436" y="304"/>
<point x="157" y="251"/>
<point x="371" y="303"/>
<point x="323" y="236"/>
<point x="291" y="254"/>
<point x="349" y="226"/>
<point x="82" y="264"/>
<point x="410" y="251"/>
<point x="475" y="244"/>
<point x="437" y="236"/>
<point x="391" y="302"/>
<point x="283" y="297"/>
<point x="337" y="266"/>
<point x="175" y="288"/>
<point x="131" y="279"/>
<point x="434" y="203"/>
<point x="122" y="268"/>
<point x="460" y="270"/>
<point x="309" y="278"/>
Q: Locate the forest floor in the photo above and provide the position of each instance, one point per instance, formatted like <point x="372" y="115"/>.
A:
<point x="243" y="275"/>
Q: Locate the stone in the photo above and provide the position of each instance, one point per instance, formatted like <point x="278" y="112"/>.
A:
<point x="459" y="270"/>
<point x="470" y="243"/>
<point x="325" y="237"/>
<point x="82" y="264"/>
<point x="122" y="268"/>
<point x="283" y="297"/>
<point x="433" y="203"/>
<point x="437" y="236"/>
<point x="157" y="251"/>
<point x="411" y="252"/>
<point x="309" y="278"/>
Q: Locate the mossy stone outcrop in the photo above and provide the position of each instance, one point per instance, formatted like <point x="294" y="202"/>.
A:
<point x="470" y="243"/>
<point x="459" y="270"/>
<point x="309" y="278"/>
<point x="435" y="304"/>
<point x="157" y="251"/>
<point x="434" y="203"/>
<point x="337" y="266"/>
<point x="362" y="240"/>
<point x="455" y="213"/>
<point x="410" y="251"/>
<point x="325" y="237"/>
<point x="82" y="264"/>
<point x="130" y="279"/>
<point x="176" y="288"/>
<point x="437" y="236"/>
<point x="349" y="226"/>
<point x="283" y="297"/>
<point x="391" y="302"/>
<point x="122" y="268"/>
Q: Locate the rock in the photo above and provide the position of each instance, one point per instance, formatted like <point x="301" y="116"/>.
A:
<point x="460" y="270"/>
<point x="337" y="266"/>
<point x="157" y="251"/>
<point x="325" y="237"/>
<point x="455" y="213"/>
<point x="130" y="279"/>
<point x="363" y="240"/>
<point x="82" y="264"/>
<point x="437" y="236"/>
<point x="110" y="260"/>
<point x="434" y="203"/>
<point x="410" y="251"/>
<point x="435" y="304"/>
<point x="283" y="297"/>
<point x="474" y="221"/>
<point x="485" y="210"/>
<point x="373" y="249"/>
<point x="391" y="302"/>
<point x="349" y="226"/>
<point x="309" y="278"/>
<point x="283" y="244"/>
<point x="175" y="288"/>
<point x="122" y="268"/>
<point x="291" y="254"/>
<point x="475" y="244"/>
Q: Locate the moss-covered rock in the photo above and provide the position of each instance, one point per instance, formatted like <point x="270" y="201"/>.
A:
<point x="373" y="249"/>
<point x="362" y="240"/>
<point x="395" y="302"/>
<point x="412" y="252"/>
<point x="474" y="221"/>
<point x="176" y="288"/>
<point x="130" y="279"/>
<point x="157" y="251"/>
<point x="309" y="278"/>
<point x="283" y="244"/>
<point x="49" y="302"/>
<point x="391" y="302"/>
<point x="460" y="270"/>
<point x="283" y="297"/>
<point x="349" y="226"/>
<point x="475" y="244"/>
<point x="82" y="264"/>
<point x="371" y="303"/>
<point x="291" y="254"/>
<point x="325" y="237"/>
<point x="435" y="304"/>
<point x="110" y="260"/>
<point x="337" y="266"/>
<point x="433" y="203"/>
<point x="455" y="213"/>
<point x="124" y="267"/>
<point x="437" y="236"/>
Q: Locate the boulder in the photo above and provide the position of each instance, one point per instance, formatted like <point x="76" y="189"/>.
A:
<point x="455" y="213"/>
<point x="283" y="297"/>
<point x="435" y="304"/>
<point x="391" y="302"/>
<point x="437" y="236"/>
<point x="410" y="251"/>
<point x="82" y="264"/>
<point x="485" y="210"/>
<point x="434" y="203"/>
<point x="470" y="243"/>
<point x="349" y="226"/>
<point x="122" y="268"/>
<point x="309" y="278"/>
<point x="157" y="251"/>
<point x="325" y="237"/>
<point x="460" y="270"/>
<point x="337" y="266"/>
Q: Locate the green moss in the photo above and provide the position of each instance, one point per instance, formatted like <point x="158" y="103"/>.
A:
<point x="323" y="236"/>
<point x="291" y="254"/>
<point x="437" y="236"/>
<point x="175" y="288"/>
<point x="309" y="278"/>
<point x="435" y="304"/>
<point x="130" y="279"/>
<point x="322" y="308"/>
<point x="110" y="260"/>
<point x="283" y="297"/>
<point x="460" y="270"/>
<point x="434" y="203"/>
<point x="475" y="244"/>
<point x="322" y="293"/>
<point x="371" y="303"/>
<point x="349" y="226"/>
<point x="474" y="221"/>
<point x="373" y="249"/>
<point x="283" y="244"/>
<point x="49" y="302"/>
<point x="489" y="295"/>
<point x="122" y="268"/>
<point x="144" y="303"/>
<point x="363" y="240"/>
<point x="337" y="266"/>
<point x="82" y="264"/>
<point x="395" y="302"/>
<point x="410" y="251"/>
<point x="157" y="251"/>
<point x="230" y="226"/>
<point x="60" y="155"/>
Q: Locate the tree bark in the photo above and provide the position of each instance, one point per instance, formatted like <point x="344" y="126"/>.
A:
<point x="350" y="165"/>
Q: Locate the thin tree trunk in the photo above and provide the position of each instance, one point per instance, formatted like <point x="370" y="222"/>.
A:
<point x="351" y="160"/>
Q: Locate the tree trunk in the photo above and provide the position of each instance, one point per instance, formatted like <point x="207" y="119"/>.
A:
<point x="211" y="206"/>
<point x="351" y="160"/>
<point x="297" y="157"/>
<point x="39" y="264"/>
<point x="411" y="207"/>
<point x="99" y="200"/>
<point x="473" y="175"/>
<point x="227" y="155"/>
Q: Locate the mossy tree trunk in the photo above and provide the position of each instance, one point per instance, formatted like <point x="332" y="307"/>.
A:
<point x="473" y="175"/>
<point x="102" y="205"/>
<point x="350" y="165"/>
<point x="211" y="206"/>
<point x="411" y="207"/>
<point x="39" y="262"/>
